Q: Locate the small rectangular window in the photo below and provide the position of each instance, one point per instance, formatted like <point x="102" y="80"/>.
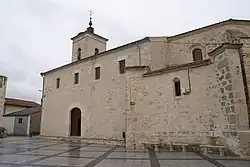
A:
<point x="122" y="66"/>
<point x="97" y="73"/>
<point x="57" y="83"/>
<point x="177" y="86"/>
<point x="20" y="120"/>
<point x="76" y="78"/>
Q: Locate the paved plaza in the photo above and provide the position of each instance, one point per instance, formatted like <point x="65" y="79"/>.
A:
<point x="40" y="152"/>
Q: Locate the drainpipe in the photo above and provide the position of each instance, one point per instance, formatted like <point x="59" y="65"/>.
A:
<point x="244" y="77"/>
<point x="189" y="82"/>
<point x="139" y="53"/>
<point x="42" y="74"/>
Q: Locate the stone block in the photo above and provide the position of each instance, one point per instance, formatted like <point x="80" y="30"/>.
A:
<point x="223" y="103"/>
<point x="232" y="119"/>
<point x="221" y="77"/>
<point x="224" y="97"/>
<point x="233" y="134"/>
<point x="229" y="87"/>
<point x="232" y="127"/>
<point x="228" y="76"/>
<point x="227" y="110"/>
<point x="223" y="63"/>
<point x="221" y="90"/>
<point x="231" y="95"/>
<point x="224" y="83"/>
<point x="226" y="134"/>
<point x="232" y="109"/>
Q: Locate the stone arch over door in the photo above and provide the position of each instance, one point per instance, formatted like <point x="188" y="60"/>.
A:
<point x="75" y="122"/>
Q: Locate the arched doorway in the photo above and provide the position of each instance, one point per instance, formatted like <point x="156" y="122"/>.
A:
<point x="75" y="129"/>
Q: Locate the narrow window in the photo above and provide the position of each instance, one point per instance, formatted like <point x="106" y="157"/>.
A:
<point x="20" y="120"/>
<point x="122" y="66"/>
<point x="57" y="83"/>
<point x="197" y="54"/>
<point x="76" y="78"/>
<point x="97" y="73"/>
<point x="79" y="52"/>
<point x="177" y="86"/>
<point x="96" y="51"/>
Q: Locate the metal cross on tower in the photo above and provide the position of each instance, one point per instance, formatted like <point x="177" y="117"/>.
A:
<point x="90" y="17"/>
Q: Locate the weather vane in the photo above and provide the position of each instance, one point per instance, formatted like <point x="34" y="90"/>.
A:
<point x="90" y="17"/>
<point x="90" y="13"/>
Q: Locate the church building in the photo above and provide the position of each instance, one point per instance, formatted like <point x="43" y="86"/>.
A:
<point x="185" y="88"/>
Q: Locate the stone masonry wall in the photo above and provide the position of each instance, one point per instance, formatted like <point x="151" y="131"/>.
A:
<point x="217" y="108"/>
<point x="87" y="43"/>
<point x="102" y="102"/>
<point x="232" y="98"/>
<point x="3" y="84"/>
<point x="245" y="51"/>
<point x="180" y="49"/>
<point x="226" y="95"/>
<point x="157" y="113"/>
<point x="214" y="105"/>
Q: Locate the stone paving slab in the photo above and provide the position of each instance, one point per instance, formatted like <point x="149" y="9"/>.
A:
<point x="40" y="152"/>
<point x="124" y="163"/>
<point x="235" y="163"/>
<point x="79" y="153"/>
<point x="177" y="155"/>
<point x="122" y="149"/>
<point x="185" y="163"/>
<point x="28" y="152"/>
<point x="62" y="148"/>
<point x="64" y="161"/>
<point x="7" y="150"/>
<point x="128" y="155"/>
<point x="100" y="145"/>
<point x="101" y="149"/>
<point x="17" y="158"/>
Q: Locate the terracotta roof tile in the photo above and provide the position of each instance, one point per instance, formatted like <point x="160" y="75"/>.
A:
<point x="25" y="112"/>
<point x="19" y="102"/>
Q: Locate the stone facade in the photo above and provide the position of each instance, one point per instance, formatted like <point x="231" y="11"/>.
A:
<point x="142" y="101"/>
<point x="3" y="84"/>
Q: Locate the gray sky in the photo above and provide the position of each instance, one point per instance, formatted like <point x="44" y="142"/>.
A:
<point x="35" y="34"/>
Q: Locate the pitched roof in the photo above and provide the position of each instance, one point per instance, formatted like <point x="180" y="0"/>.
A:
<point x="174" y="68"/>
<point x="222" y="48"/>
<point x="205" y="28"/>
<point x="100" y="54"/>
<point x="19" y="102"/>
<point x="82" y="33"/>
<point x="169" y="38"/>
<point x="25" y="112"/>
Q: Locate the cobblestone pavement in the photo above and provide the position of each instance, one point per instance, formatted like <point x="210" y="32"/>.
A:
<point x="38" y="152"/>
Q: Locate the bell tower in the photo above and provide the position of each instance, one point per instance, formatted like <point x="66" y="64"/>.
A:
<point x="87" y="43"/>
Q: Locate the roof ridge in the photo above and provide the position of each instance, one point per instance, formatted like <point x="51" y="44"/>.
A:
<point x="219" y="23"/>
<point x="19" y="99"/>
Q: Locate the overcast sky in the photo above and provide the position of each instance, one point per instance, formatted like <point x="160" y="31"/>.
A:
<point x="35" y="34"/>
